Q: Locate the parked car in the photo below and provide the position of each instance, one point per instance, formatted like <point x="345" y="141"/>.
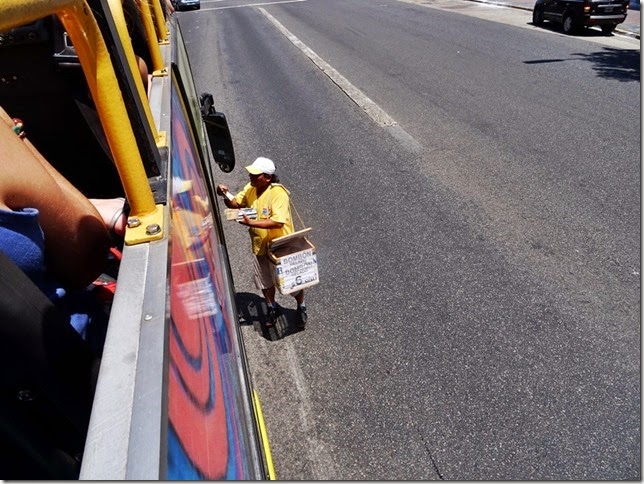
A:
<point x="181" y="5"/>
<point x="576" y="14"/>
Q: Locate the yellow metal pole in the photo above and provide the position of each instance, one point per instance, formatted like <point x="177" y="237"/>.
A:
<point x="116" y="7"/>
<point x="146" y="217"/>
<point x="92" y="52"/>
<point x="162" y="28"/>
<point x="20" y="12"/>
<point x="95" y="60"/>
<point x="151" y="34"/>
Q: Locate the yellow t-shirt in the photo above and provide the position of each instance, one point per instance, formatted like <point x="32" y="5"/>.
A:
<point x="272" y="204"/>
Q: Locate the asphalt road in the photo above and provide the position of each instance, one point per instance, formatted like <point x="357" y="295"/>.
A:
<point x="473" y="184"/>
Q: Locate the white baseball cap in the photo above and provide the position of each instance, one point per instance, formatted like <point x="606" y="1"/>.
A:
<point x="261" y="165"/>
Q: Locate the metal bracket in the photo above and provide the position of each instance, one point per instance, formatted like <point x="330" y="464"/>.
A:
<point x="162" y="139"/>
<point x="160" y="72"/>
<point x="145" y="228"/>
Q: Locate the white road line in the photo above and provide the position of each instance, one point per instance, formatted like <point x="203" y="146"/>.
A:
<point x="255" y="4"/>
<point x="318" y="452"/>
<point x="379" y="116"/>
<point x="369" y="107"/>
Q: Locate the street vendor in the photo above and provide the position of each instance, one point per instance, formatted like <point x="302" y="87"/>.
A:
<point x="270" y="199"/>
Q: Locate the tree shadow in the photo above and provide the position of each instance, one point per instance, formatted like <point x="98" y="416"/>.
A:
<point x="622" y="65"/>
<point x="609" y="63"/>
<point x="253" y="312"/>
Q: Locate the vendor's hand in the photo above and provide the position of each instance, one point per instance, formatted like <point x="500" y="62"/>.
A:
<point x="245" y="220"/>
<point x="221" y="189"/>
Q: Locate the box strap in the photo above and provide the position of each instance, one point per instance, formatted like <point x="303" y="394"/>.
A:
<point x="298" y="215"/>
<point x="292" y="206"/>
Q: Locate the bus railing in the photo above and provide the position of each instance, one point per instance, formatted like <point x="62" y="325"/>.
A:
<point x="76" y="17"/>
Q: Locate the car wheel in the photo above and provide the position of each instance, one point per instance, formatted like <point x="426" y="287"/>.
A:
<point x="608" y="29"/>
<point x="569" y="25"/>
<point x="537" y="16"/>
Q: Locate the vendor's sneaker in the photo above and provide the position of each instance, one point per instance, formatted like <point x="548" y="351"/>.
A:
<point x="301" y="312"/>
<point x="273" y="314"/>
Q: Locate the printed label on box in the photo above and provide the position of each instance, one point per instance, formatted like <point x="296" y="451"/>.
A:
<point x="298" y="269"/>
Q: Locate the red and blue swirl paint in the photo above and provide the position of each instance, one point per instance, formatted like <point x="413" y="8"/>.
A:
<point x="208" y="437"/>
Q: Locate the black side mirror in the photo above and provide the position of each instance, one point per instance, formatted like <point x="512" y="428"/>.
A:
<point x="218" y="133"/>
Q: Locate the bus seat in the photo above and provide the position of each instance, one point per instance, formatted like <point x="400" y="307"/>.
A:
<point x="46" y="385"/>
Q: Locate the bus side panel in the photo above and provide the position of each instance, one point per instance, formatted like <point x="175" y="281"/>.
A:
<point x="207" y="433"/>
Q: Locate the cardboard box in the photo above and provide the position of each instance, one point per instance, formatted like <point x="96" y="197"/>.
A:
<point x="295" y="260"/>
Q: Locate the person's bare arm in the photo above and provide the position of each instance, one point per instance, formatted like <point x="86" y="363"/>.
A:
<point x="261" y="224"/>
<point x="76" y="239"/>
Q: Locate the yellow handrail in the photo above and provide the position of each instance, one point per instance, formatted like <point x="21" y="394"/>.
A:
<point x="81" y="26"/>
<point x="162" y="28"/>
<point x="151" y="35"/>
<point x="116" y="7"/>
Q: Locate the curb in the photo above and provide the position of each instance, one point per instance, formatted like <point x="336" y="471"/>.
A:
<point x="620" y="30"/>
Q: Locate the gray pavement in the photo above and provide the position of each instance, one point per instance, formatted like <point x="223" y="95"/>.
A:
<point x="630" y="27"/>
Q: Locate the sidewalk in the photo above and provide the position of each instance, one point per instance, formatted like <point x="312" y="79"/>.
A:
<point x="630" y="27"/>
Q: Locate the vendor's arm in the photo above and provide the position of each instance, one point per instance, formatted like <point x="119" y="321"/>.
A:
<point x="222" y="190"/>
<point x="261" y="224"/>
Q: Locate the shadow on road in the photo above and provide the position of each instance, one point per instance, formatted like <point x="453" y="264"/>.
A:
<point x="253" y="312"/>
<point x="623" y="65"/>
<point x="609" y="63"/>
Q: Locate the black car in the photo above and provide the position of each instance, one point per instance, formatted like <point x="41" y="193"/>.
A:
<point x="181" y="5"/>
<point x="575" y="14"/>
